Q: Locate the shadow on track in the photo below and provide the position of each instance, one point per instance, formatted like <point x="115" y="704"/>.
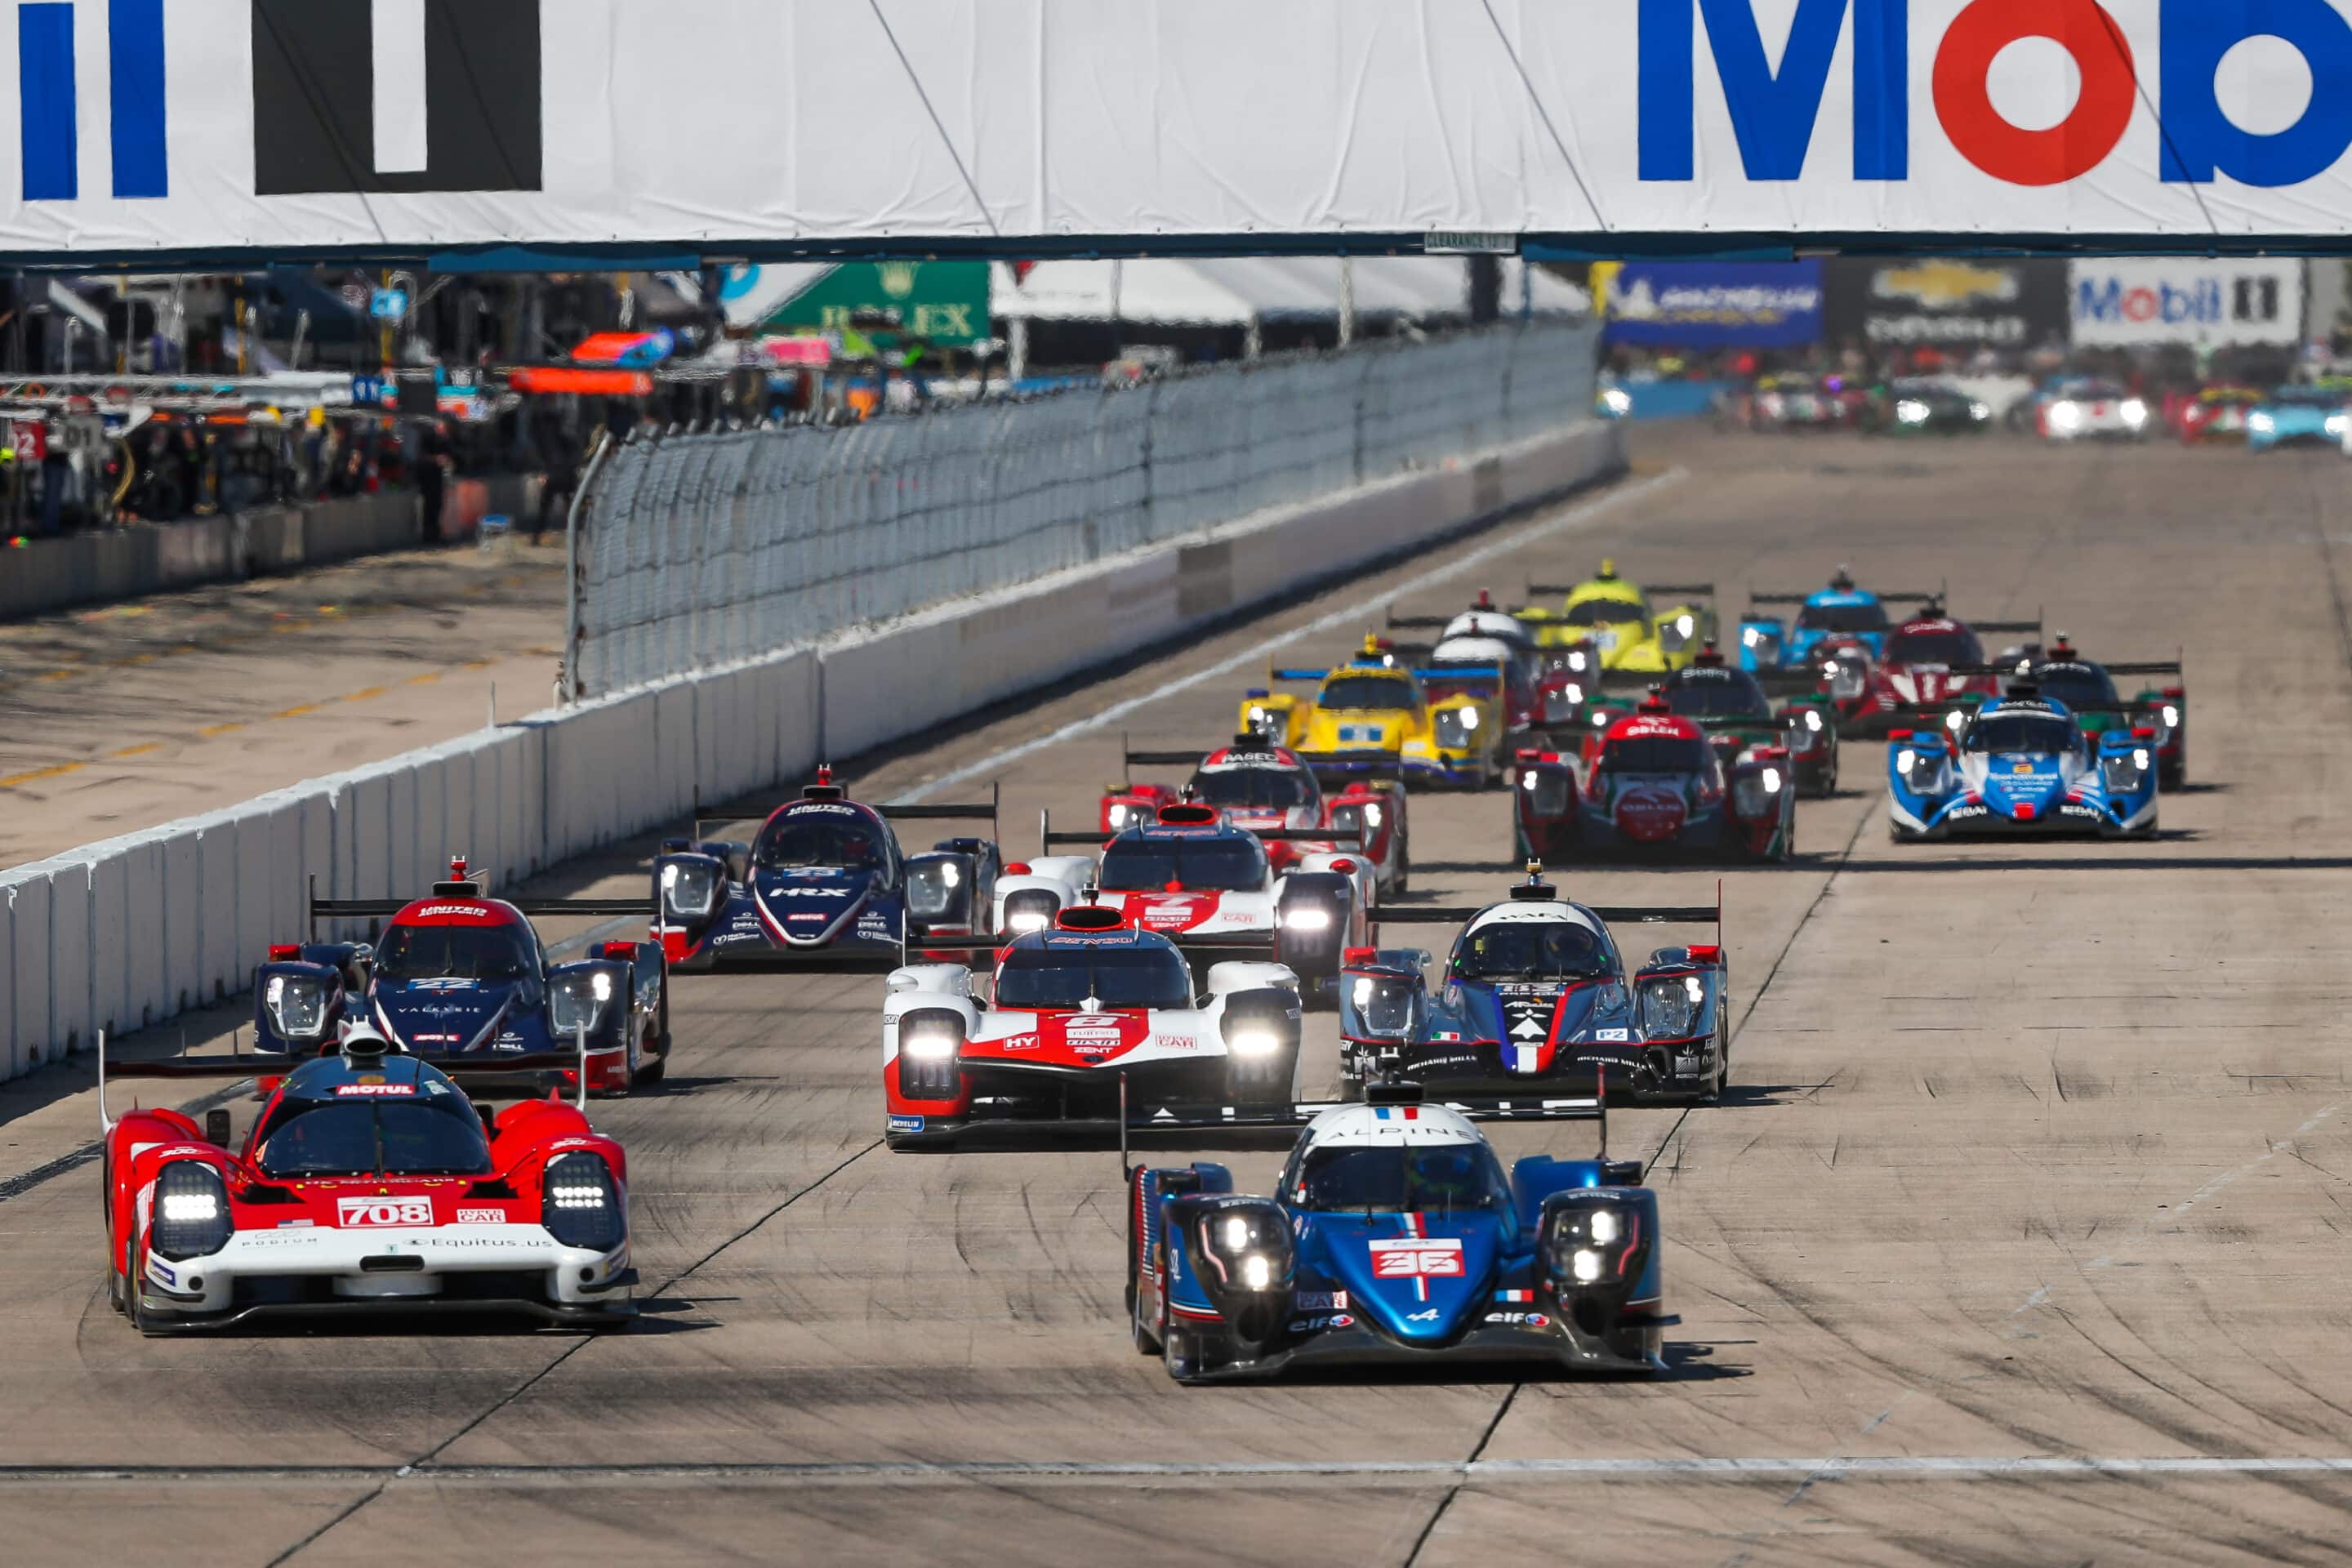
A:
<point x="2121" y="862"/>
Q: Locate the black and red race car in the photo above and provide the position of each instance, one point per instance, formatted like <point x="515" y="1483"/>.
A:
<point x="1269" y="791"/>
<point x="1652" y="783"/>
<point x="1930" y="659"/>
<point x="372" y="1181"/>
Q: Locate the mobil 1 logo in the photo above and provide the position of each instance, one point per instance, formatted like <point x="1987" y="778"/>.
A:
<point x="363" y="97"/>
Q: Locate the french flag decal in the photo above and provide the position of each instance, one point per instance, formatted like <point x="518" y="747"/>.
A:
<point x="1515" y="1295"/>
<point x="1399" y="1113"/>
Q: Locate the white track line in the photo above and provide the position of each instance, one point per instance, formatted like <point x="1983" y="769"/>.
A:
<point x="1575" y="518"/>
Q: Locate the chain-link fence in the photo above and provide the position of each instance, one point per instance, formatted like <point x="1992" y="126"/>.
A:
<point x="696" y="550"/>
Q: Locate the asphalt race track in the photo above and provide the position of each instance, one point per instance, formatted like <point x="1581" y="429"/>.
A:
<point x="2021" y="1240"/>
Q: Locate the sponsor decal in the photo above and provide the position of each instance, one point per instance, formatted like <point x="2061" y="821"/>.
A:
<point x="296" y="1224"/>
<point x="1410" y="1257"/>
<point x="1320" y="1300"/>
<point x="1687" y="1065"/>
<point x="158" y="1271"/>
<point x="1317" y="1325"/>
<point x="436" y="1040"/>
<point x="1013" y="1042"/>
<point x="481" y="1216"/>
<point x="376" y="1090"/>
<point x="441" y="912"/>
<point x="819" y="916"/>
<point x="1446" y="1037"/>
<point x="365" y="1214"/>
<point x="1612" y="1035"/>
<point x="1178" y="1043"/>
<point x="818" y="808"/>
<point x="905" y="1123"/>
<point x="1959" y="812"/>
<point x="797" y="891"/>
<point x="509" y="1042"/>
<point x="1430" y="1316"/>
<point x="1515" y="1295"/>
<point x="1519" y="1320"/>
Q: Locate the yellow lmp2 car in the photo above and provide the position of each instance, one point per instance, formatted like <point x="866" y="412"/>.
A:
<point x="1608" y="624"/>
<point x="1375" y="717"/>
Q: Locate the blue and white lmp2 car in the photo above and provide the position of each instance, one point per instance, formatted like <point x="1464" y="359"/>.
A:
<point x="1840" y="612"/>
<point x="824" y="886"/>
<point x="2021" y="765"/>
<point x="1394" y="1237"/>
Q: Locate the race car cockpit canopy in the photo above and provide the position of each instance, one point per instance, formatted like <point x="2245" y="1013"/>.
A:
<point x="1711" y="691"/>
<point x="1555" y="942"/>
<point x="2017" y="729"/>
<point x="1072" y="971"/>
<point x="367" y="1116"/>
<point x="1338" y="1174"/>
<point x="1361" y="690"/>
<point x="1189" y="859"/>
<point x="430" y="942"/>
<point x="821" y="835"/>
<point x="1256" y="782"/>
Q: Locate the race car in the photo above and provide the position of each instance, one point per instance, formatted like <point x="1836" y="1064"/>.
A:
<point x="2215" y="413"/>
<point x="2084" y="408"/>
<point x="1840" y="611"/>
<point x="1396" y="1238"/>
<point x="461" y="975"/>
<point x="1373" y="718"/>
<point x="824" y="886"/>
<point x="1744" y="724"/>
<point x="1270" y="792"/>
<point x="1929" y="659"/>
<point x="1606" y="623"/>
<point x="1800" y="400"/>
<point x="1088" y="1022"/>
<point x="1924" y="406"/>
<point x="373" y="1180"/>
<point x="1536" y="997"/>
<point x="2022" y="764"/>
<point x="2087" y="689"/>
<point x="1652" y="785"/>
<point x="1480" y="639"/>
<point x="2298" y="415"/>
<point x="1192" y="875"/>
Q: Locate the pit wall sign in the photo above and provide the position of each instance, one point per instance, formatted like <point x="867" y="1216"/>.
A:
<point x="206" y="126"/>
<point x="2197" y="303"/>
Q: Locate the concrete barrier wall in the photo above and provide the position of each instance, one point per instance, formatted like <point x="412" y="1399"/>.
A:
<point x="128" y="933"/>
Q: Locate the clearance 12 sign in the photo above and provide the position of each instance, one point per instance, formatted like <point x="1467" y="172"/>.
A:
<point x="1893" y="48"/>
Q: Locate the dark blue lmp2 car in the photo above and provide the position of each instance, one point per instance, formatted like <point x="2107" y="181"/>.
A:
<point x="823" y="886"/>
<point x="1395" y="1236"/>
<point x="2021" y="765"/>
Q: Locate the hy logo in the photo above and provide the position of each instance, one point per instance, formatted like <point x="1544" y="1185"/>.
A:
<point x="349" y="96"/>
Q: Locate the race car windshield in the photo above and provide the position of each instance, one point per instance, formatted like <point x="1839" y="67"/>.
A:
<point x="1145" y="976"/>
<point x="2021" y="734"/>
<point x="1442" y="1178"/>
<point x="1843" y="617"/>
<point x="830" y="843"/>
<point x="1253" y="789"/>
<point x="2308" y="397"/>
<point x="2076" y="687"/>
<point x="1603" y="613"/>
<point x="1935" y="648"/>
<point x="1202" y="865"/>
<point x="453" y="953"/>
<point x="1366" y="694"/>
<point x="1716" y="697"/>
<point x="1531" y="951"/>
<point x="432" y="1135"/>
<point x="1655" y="755"/>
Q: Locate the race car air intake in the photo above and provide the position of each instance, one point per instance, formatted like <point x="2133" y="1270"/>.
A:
<point x="192" y="1217"/>
<point x="581" y="1206"/>
<point x="931" y="1050"/>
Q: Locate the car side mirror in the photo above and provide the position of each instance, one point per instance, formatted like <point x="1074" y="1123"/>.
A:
<point x="217" y="1128"/>
<point x="488" y="1113"/>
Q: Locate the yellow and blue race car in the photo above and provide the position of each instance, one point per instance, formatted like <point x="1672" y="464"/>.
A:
<point x="1376" y="716"/>
<point x="1606" y="623"/>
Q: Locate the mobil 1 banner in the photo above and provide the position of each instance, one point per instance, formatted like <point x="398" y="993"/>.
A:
<point x="1946" y="303"/>
<point x="2148" y="302"/>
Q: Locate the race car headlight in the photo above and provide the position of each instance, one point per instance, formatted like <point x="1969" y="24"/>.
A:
<point x="1679" y="630"/>
<point x="1954" y="721"/>
<point x="689" y="889"/>
<point x="192" y="1218"/>
<point x="1306" y="917"/>
<point x="933" y="888"/>
<point x="2140" y="756"/>
<point x="1119" y="817"/>
<point x="1261" y="721"/>
<point x="1578" y="661"/>
<point x="1670" y="1008"/>
<point x="1771" y="781"/>
<point x="2122" y="774"/>
<point x="581" y="1204"/>
<point x="1378" y="1006"/>
<point x="1561" y="702"/>
<point x="2171" y="717"/>
<point x="1910" y="411"/>
<point x="1905" y="760"/>
<point x="1452" y="727"/>
<point x="1813" y="719"/>
<point x="1594" y="1242"/>
<point x="930" y="1048"/>
<point x="1246" y="1247"/>
<point x="1586" y="1265"/>
<point x="576" y="1002"/>
<point x="2135" y="412"/>
<point x="1030" y="909"/>
<point x="2262" y="422"/>
<point x="1980" y="412"/>
<point x="298" y="1006"/>
<point x="1750" y="797"/>
<point x="1617" y="401"/>
<point x="2065" y="415"/>
<point x="2338" y="423"/>
<point x="1751" y="636"/>
<point x="1253" y="1043"/>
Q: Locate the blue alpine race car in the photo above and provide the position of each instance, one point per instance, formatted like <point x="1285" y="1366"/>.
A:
<point x="1840" y="611"/>
<point x="824" y="886"/>
<point x="1397" y="1237"/>
<point x="2298" y="414"/>
<point x="2022" y="764"/>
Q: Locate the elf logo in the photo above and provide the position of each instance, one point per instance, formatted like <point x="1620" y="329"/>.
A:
<point x="360" y="96"/>
<point x="1773" y="112"/>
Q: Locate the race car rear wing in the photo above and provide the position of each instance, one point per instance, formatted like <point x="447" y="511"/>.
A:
<point x="1658" y="593"/>
<point x="2162" y="666"/>
<point x="1610" y="914"/>
<point x="1907" y="597"/>
<point x="1048" y="839"/>
<point x="2033" y="625"/>
<point x="382" y="908"/>
<point x="959" y="811"/>
<point x="538" y="1073"/>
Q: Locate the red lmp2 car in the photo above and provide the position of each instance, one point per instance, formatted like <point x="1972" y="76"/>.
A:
<point x="1268" y="790"/>
<point x="461" y="975"/>
<point x="1930" y="658"/>
<point x="1652" y="783"/>
<point x="372" y="1180"/>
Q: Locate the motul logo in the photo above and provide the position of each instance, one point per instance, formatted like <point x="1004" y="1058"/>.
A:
<point x="359" y="1213"/>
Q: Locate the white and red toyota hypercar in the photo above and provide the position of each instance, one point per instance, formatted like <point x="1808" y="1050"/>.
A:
<point x="371" y="1180"/>
<point x="1269" y="791"/>
<point x="1089" y="1020"/>
<point x="1191" y="874"/>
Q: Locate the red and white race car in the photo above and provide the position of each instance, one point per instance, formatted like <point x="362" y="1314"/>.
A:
<point x="1268" y="790"/>
<point x="1191" y="874"/>
<point x="1930" y="659"/>
<point x="1088" y="1020"/>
